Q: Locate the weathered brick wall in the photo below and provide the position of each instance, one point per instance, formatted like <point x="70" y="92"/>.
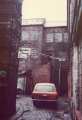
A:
<point x="80" y="76"/>
<point x="41" y="73"/>
<point x="10" y="14"/>
<point x="56" y="45"/>
<point x="55" y="41"/>
<point x="75" y="32"/>
<point x="32" y="36"/>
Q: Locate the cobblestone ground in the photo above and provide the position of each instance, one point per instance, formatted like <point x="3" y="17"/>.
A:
<point x="26" y="111"/>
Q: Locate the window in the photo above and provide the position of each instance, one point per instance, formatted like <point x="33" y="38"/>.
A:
<point x="65" y="37"/>
<point x="49" y="37"/>
<point x="34" y="35"/>
<point x="25" y="35"/>
<point x="58" y="37"/>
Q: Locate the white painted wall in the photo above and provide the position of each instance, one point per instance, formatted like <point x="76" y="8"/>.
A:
<point x="75" y="72"/>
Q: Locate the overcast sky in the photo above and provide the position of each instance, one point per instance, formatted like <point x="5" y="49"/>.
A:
<point x="53" y="10"/>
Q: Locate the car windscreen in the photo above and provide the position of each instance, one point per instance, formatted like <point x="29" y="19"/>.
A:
<point x="45" y="88"/>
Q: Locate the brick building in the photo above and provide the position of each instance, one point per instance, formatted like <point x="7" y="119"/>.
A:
<point x="56" y="45"/>
<point x="42" y="44"/>
<point x="10" y="31"/>
<point x="32" y="38"/>
<point x="75" y="36"/>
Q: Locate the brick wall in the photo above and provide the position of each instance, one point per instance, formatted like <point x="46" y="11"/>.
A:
<point x="10" y="30"/>
<point x="42" y="73"/>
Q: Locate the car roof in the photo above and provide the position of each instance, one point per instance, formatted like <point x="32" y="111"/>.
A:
<point x="52" y="84"/>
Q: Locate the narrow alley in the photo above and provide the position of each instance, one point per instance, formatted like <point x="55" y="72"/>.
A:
<point x="26" y="110"/>
<point x="40" y="60"/>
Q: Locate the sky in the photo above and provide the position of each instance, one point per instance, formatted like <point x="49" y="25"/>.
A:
<point x="54" y="11"/>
